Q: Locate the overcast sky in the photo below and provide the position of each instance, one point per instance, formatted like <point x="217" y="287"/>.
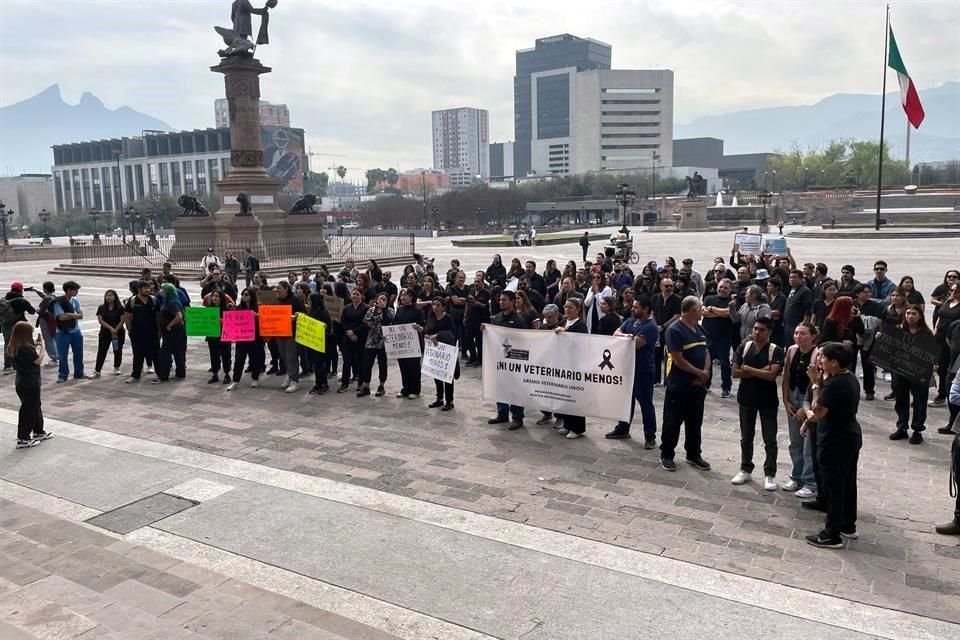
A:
<point x="362" y="77"/>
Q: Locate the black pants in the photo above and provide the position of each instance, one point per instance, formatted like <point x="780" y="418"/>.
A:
<point x="30" y="417"/>
<point x="410" y="376"/>
<point x="903" y="390"/>
<point x="943" y="370"/>
<point x="173" y="347"/>
<point x="145" y="349"/>
<point x="577" y="424"/>
<point x="584" y="249"/>
<point x="253" y="350"/>
<point x="658" y="360"/>
<point x="838" y="468"/>
<point x="369" y="357"/>
<point x="220" y="356"/>
<point x="954" y="475"/>
<point x="275" y="359"/>
<point x="682" y="407"/>
<point x="104" y="343"/>
<point x="333" y="356"/>
<point x="444" y="391"/>
<point x="473" y="339"/>
<point x="318" y="363"/>
<point x="869" y="372"/>
<point x="748" y="432"/>
<point x="352" y="360"/>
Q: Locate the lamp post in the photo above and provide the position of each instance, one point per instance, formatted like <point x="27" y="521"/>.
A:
<point x="94" y="214"/>
<point x="423" y="187"/>
<point x="765" y="197"/>
<point x="625" y="197"/>
<point x="4" y="215"/>
<point x="151" y="217"/>
<point x="131" y="216"/>
<point x="118" y="196"/>
<point x="653" y="177"/>
<point x="435" y="210"/>
<point x="44" y="216"/>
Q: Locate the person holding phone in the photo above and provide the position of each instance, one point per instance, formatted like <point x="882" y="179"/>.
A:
<point x="110" y="315"/>
<point x="27" y="359"/>
<point x="13" y="310"/>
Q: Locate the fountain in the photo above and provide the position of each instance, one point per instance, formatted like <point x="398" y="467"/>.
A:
<point x="734" y="202"/>
<point x="719" y="198"/>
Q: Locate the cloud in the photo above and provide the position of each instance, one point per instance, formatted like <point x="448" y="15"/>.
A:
<point x="362" y="77"/>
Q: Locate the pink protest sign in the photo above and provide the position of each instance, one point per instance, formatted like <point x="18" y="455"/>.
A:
<point x="238" y="326"/>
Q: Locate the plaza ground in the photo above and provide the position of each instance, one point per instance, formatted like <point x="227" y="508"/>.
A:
<point x="341" y="517"/>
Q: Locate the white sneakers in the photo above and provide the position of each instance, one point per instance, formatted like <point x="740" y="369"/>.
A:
<point x="285" y="383"/>
<point x="254" y="384"/>
<point x="292" y="388"/>
<point x="116" y="371"/>
<point x="790" y="485"/>
<point x="769" y="483"/>
<point x="805" y="493"/>
<point x="571" y="435"/>
<point x="231" y="386"/>
<point x="742" y="477"/>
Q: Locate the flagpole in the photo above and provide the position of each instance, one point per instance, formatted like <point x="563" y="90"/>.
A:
<point x="883" y="109"/>
<point x="908" y="147"/>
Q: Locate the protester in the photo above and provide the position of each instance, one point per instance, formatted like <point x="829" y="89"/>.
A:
<point x="476" y="313"/>
<point x="550" y="321"/>
<point x="318" y="359"/>
<point x="952" y="528"/>
<point x="67" y="311"/>
<point x="836" y="398"/>
<point x="354" y="339"/>
<point x="753" y="307"/>
<point x="718" y="327"/>
<point x="140" y="317"/>
<point x="944" y="316"/>
<point x="642" y="329"/>
<point x="110" y="316"/>
<point x="376" y="316"/>
<point x="287" y="347"/>
<point x="666" y="311"/>
<point x="439" y="328"/>
<point x="904" y="389"/>
<point x="496" y="274"/>
<point x="573" y="426"/>
<point x="173" y="343"/>
<point x="584" y="244"/>
<point x="778" y="304"/>
<point x="530" y="314"/>
<point x="881" y="286"/>
<point x="757" y="364"/>
<point x="251" y="265"/>
<point x="13" y="309"/>
<point x="26" y="361"/>
<point x="842" y="325"/>
<point x="688" y="369"/>
<point x="799" y="307"/>
<point x="795" y="387"/>
<point x="220" y="352"/>
<point x="942" y="290"/>
<point x="551" y="279"/>
<point x="508" y="317"/>
<point x="409" y="313"/>
<point x="252" y="349"/>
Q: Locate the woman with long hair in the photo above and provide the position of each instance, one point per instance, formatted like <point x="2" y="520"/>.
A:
<point x="378" y="314"/>
<point x="942" y="290"/>
<point x="173" y="341"/>
<point x="836" y="398"/>
<point x="366" y="288"/>
<point x="551" y="279"/>
<point x="427" y="293"/>
<point x="610" y="321"/>
<point x="288" y="346"/>
<point x="374" y="271"/>
<point x="823" y="306"/>
<point x="591" y="302"/>
<point x="527" y="310"/>
<point x="219" y="351"/>
<point x="112" y="335"/>
<point x="409" y="313"/>
<point x="515" y="271"/>
<point x="625" y="301"/>
<point x="26" y="362"/>
<point x="318" y="359"/>
<point x="439" y="328"/>
<point x="795" y="385"/>
<point x="944" y="318"/>
<point x="354" y="339"/>
<point x="842" y="325"/>
<point x="253" y="349"/>
<point x="496" y="273"/>
<point x="573" y="426"/>
<point x="913" y="296"/>
<point x="904" y="389"/>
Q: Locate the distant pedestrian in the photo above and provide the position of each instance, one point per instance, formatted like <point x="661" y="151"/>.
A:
<point x="210" y="260"/>
<point x="251" y="265"/>
<point x="27" y="360"/>
<point x="585" y="244"/>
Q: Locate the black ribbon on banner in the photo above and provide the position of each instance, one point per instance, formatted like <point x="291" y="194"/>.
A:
<point x="606" y="360"/>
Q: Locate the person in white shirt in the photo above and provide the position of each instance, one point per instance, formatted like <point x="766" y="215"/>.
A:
<point x="208" y="260"/>
<point x="533" y="236"/>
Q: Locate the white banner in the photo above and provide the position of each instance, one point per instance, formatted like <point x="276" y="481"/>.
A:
<point x="440" y="361"/>
<point x="401" y="341"/>
<point x="573" y="373"/>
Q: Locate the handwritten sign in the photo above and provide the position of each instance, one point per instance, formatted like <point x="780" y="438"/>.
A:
<point x="775" y="246"/>
<point x="239" y="326"/>
<point x="748" y="243"/>
<point x="203" y="321"/>
<point x="401" y="341"/>
<point x="334" y="305"/>
<point x="909" y="355"/>
<point x="311" y="333"/>
<point x="440" y="361"/>
<point x="276" y="321"/>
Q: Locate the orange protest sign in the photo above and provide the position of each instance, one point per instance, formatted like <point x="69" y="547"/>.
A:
<point x="276" y="321"/>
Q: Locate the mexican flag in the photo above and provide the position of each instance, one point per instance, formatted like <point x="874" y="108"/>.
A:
<point x="908" y="92"/>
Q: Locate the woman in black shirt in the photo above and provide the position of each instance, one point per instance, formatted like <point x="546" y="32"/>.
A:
<point x="254" y="348"/>
<point x="516" y="270"/>
<point x="610" y="322"/>
<point x="457" y="306"/>
<point x="354" y="339"/>
<point x="220" y="352"/>
<point x="573" y="426"/>
<point x="110" y="317"/>
<point x="903" y="388"/>
<point x="439" y="328"/>
<point x="173" y="345"/>
<point x="944" y="317"/>
<point x="288" y="346"/>
<point x="409" y="313"/>
<point x="823" y="306"/>
<point x="795" y="384"/>
<point x="527" y="310"/>
<point x="318" y="359"/>
<point x="836" y="398"/>
<point x="26" y="362"/>
<point x="913" y="296"/>
<point x="426" y="294"/>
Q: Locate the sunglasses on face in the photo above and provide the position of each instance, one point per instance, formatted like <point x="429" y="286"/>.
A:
<point x="879" y="268"/>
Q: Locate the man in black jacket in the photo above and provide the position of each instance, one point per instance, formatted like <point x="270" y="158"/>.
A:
<point x="19" y="307"/>
<point x="508" y="317"/>
<point x="250" y="265"/>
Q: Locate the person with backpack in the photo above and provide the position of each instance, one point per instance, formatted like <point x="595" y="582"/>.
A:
<point x="47" y="323"/>
<point x="13" y="309"/>
<point x="67" y="311"/>
<point x="140" y="316"/>
<point x="757" y="364"/>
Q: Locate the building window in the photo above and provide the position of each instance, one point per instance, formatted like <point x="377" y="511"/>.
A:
<point x="553" y="106"/>
<point x="128" y="176"/>
<point x="629" y="124"/>
<point x="175" y="178"/>
<point x="95" y="179"/>
<point x="214" y="172"/>
<point x="224" y="167"/>
<point x="107" y="188"/>
<point x="630" y="135"/>
<point x="164" y="178"/>
<point x="631" y="90"/>
<point x="629" y="102"/>
<point x="57" y="189"/>
<point x="201" y="177"/>
<point x="629" y="146"/>
<point x="85" y="176"/>
<point x="138" y="180"/>
<point x="154" y="178"/>
<point x="77" y="198"/>
<point x="188" y="177"/>
<point x="629" y="113"/>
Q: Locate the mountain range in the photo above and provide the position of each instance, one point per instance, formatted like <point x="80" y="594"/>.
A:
<point x="29" y="128"/>
<point x="837" y="117"/>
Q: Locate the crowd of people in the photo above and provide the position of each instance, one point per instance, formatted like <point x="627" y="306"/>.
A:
<point x="793" y="335"/>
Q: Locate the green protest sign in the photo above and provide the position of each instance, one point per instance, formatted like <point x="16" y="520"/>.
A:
<point x="203" y="322"/>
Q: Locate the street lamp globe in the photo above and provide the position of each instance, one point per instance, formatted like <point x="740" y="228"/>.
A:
<point x="625" y="197"/>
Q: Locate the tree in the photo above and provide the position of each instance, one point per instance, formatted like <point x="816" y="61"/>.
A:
<point x="392" y="177"/>
<point x="374" y="178"/>
<point x="341" y="172"/>
<point x="846" y="163"/>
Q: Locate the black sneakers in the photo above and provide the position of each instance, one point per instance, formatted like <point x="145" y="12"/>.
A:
<point x="650" y="443"/>
<point x="823" y="541"/>
<point x="617" y="434"/>
<point x="668" y="464"/>
<point x="899" y="434"/>
<point x="699" y="463"/>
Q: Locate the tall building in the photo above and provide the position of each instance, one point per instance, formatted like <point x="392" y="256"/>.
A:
<point x="501" y="160"/>
<point x="461" y="144"/>
<point x="601" y="120"/>
<point x="27" y="194"/>
<point x="271" y="115"/>
<point x="556" y="52"/>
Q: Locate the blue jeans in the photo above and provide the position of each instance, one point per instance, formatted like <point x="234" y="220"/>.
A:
<point x="720" y="352"/>
<point x="49" y="341"/>
<point x="65" y="342"/>
<point x="515" y="411"/>
<point x="642" y="393"/>
<point x="801" y="451"/>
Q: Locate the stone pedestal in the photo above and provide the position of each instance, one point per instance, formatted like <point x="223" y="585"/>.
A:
<point x="693" y="215"/>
